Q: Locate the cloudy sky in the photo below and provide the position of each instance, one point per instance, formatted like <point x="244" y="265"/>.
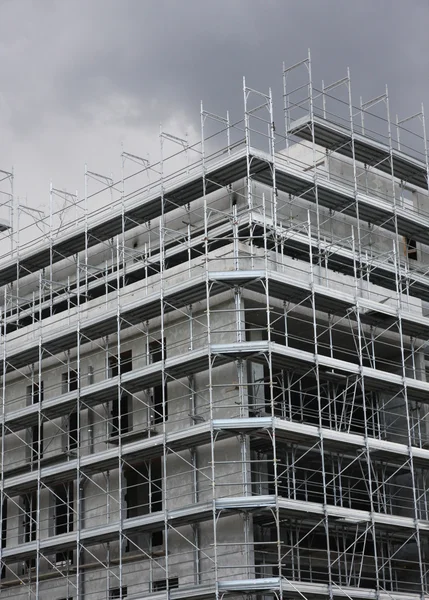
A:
<point x="81" y="77"/>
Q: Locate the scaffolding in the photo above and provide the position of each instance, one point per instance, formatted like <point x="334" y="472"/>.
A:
<point x="214" y="368"/>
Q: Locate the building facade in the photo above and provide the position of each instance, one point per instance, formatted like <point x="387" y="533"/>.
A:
<point x="215" y="385"/>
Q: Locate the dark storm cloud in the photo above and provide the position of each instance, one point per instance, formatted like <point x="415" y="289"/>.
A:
<point x="80" y="75"/>
<point x="164" y="54"/>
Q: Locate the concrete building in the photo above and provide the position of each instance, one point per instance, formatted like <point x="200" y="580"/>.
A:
<point x="214" y="385"/>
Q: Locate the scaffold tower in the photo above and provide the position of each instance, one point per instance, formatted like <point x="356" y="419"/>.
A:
<point x="213" y="370"/>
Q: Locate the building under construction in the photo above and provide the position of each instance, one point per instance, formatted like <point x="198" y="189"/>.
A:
<point x="214" y="368"/>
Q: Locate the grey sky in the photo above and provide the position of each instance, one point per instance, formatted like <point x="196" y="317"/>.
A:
<point x="78" y="77"/>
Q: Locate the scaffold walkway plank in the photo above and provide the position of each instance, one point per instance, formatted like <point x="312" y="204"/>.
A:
<point x="342" y="198"/>
<point x="274" y="586"/>
<point x="367" y="150"/>
<point x="259" y="428"/>
<point x="177" y="367"/>
<point x="20" y="353"/>
<point x="296" y="244"/>
<point x="260" y="506"/>
<point x="344" y="260"/>
<point x="290" y="180"/>
<point x="103" y="284"/>
<point x="137" y="211"/>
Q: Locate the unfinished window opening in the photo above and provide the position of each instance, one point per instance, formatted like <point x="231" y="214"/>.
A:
<point x="159" y="392"/>
<point x="410" y="248"/>
<point x="157" y="538"/>
<point x="408" y="197"/>
<point x="70" y="384"/>
<point x="137" y="486"/>
<point x="35" y="395"/>
<point x="125" y="363"/>
<point x="144" y="488"/>
<point x="120" y="413"/>
<point x="121" y="407"/>
<point x="29" y="524"/>
<point x="69" y="381"/>
<point x="29" y="506"/>
<point x="143" y="495"/>
<point x="156" y="486"/>
<point x="118" y="592"/>
<point x="30" y="564"/>
<point x="72" y="433"/>
<point x="63" y="496"/>
<point x="4" y="523"/>
<point x="3" y="534"/>
<point x="36" y="442"/>
<point x="161" y="585"/>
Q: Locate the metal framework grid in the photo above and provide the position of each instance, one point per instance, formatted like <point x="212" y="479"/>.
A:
<point x="238" y="344"/>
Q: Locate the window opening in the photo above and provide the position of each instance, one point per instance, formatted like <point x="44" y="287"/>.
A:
<point x="118" y="592"/>
<point x="161" y="584"/>
<point x="63" y="497"/>
<point x="159" y="391"/>
<point x="410" y="248"/>
<point x="122" y="425"/>
<point x="70" y="384"/>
